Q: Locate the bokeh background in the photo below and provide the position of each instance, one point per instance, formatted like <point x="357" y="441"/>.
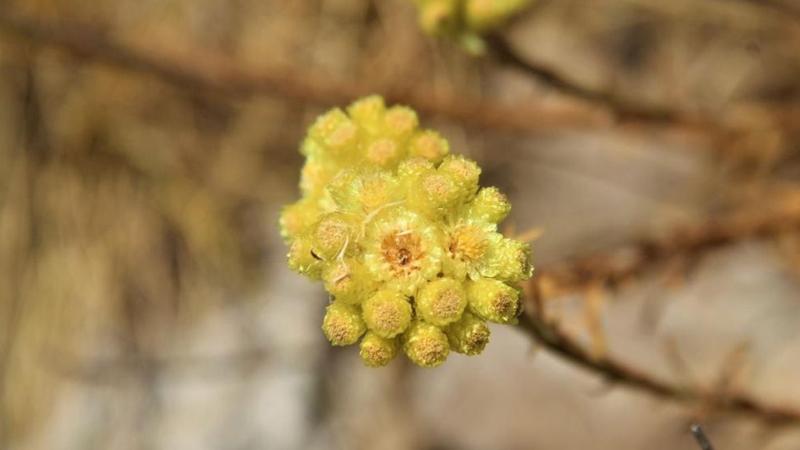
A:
<point x="146" y="148"/>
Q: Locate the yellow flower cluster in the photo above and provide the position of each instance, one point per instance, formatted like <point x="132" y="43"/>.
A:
<point x="402" y="237"/>
<point x="466" y="20"/>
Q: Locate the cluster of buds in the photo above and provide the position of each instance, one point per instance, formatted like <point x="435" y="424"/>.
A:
<point x="403" y="238"/>
<point x="466" y="20"/>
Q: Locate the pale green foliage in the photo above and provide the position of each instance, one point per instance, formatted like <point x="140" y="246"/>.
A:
<point x="403" y="238"/>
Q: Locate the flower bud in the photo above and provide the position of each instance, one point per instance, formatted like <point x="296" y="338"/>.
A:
<point x="384" y="152"/>
<point x="348" y="281"/>
<point x="342" y="324"/>
<point x="441" y="302"/>
<point x="434" y="194"/>
<point x="331" y="236"/>
<point x="335" y="132"/>
<point x="469" y="335"/>
<point x="493" y="300"/>
<point x="368" y="113"/>
<point x="297" y="218"/>
<point x="430" y="145"/>
<point x="490" y="205"/>
<point x="302" y="260"/>
<point x="314" y="176"/>
<point x="511" y="260"/>
<point x="464" y="173"/>
<point x="363" y="191"/>
<point x="387" y="313"/>
<point x="376" y="351"/>
<point x="399" y="122"/>
<point x="469" y="250"/>
<point x="426" y="345"/>
<point x="411" y="169"/>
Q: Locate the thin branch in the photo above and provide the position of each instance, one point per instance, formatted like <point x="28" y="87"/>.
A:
<point x="622" y="110"/>
<point x="207" y="72"/>
<point x="609" y="269"/>
<point x="612" y="268"/>
<point x="616" y="371"/>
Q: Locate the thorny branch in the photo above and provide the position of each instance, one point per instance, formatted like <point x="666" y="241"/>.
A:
<point x="557" y="341"/>
<point x="613" y="268"/>
<point x="622" y="110"/>
<point x="610" y="269"/>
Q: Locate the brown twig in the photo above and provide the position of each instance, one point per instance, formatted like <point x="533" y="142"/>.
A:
<point x="215" y="73"/>
<point x="612" y="268"/>
<point x="615" y="371"/>
<point x="622" y="110"/>
<point x="609" y="269"/>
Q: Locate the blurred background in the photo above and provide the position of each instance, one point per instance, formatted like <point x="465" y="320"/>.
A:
<point x="146" y="148"/>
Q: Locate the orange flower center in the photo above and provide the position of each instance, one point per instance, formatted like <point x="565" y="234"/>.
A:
<point x="467" y="244"/>
<point x="403" y="251"/>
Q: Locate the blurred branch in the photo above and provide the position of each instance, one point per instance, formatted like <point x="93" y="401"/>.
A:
<point x="613" y="370"/>
<point x="114" y="370"/>
<point x="219" y="74"/>
<point x="610" y="269"/>
<point x="622" y="110"/>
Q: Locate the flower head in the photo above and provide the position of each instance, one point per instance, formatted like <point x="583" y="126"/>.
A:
<point x="469" y="335"/>
<point x="377" y="351"/>
<point x="403" y="250"/>
<point x="402" y="237"/>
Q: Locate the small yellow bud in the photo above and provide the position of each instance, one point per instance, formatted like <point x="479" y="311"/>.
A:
<point x="363" y="192"/>
<point x="296" y="218"/>
<point x="348" y="281"/>
<point x="464" y="173"/>
<point x="387" y="313"/>
<point x="314" y="176"/>
<point x="342" y="324"/>
<point x="493" y="300"/>
<point x="430" y="145"/>
<point x="376" y="351"/>
<point x="400" y="122"/>
<point x="469" y="335"/>
<point x="426" y="345"/>
<point x="469" y="250"/>
<point x="302" y="259"/>
<point x="368" y="112"/>
<point x="433" y="194"/>
<point x="331" y="236"/>
<point x="490" y="205"/>
<point x="441" y="302"/>
<point x="511" y="260"/>
<point x="334" y="131"/>
<point x="384" y="152"/>
<point x="411" y="169"/>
